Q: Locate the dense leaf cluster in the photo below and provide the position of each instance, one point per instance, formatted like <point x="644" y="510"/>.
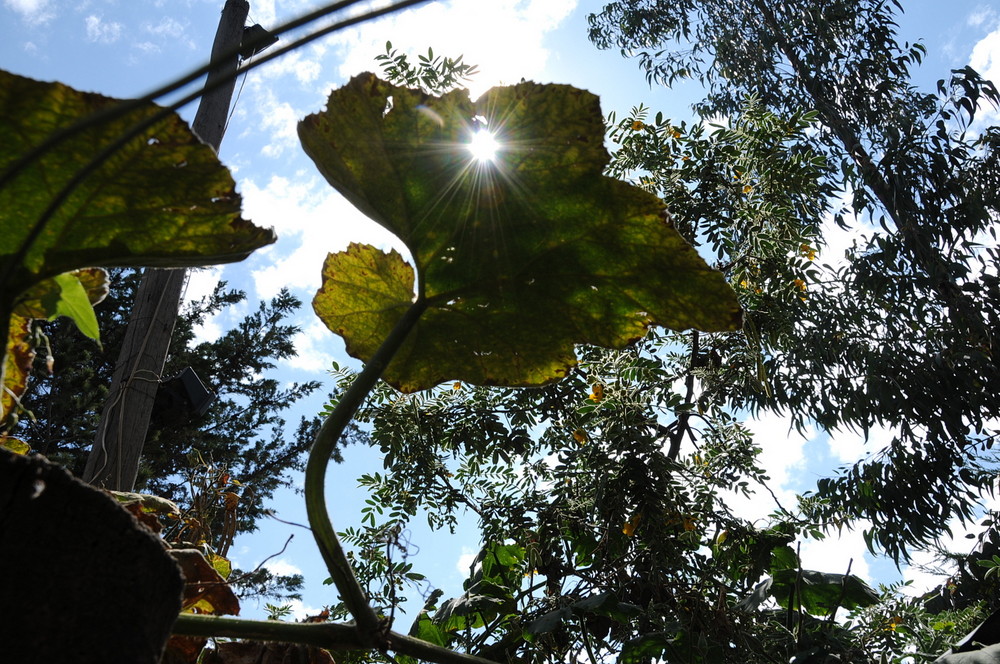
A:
<point x="898" y="332"/>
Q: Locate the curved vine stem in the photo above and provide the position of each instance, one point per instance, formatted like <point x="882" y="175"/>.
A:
<point x="369" y="626"/>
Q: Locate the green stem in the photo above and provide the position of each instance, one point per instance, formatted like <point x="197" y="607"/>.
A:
<point x="315" y="486"/>
<point x="331" y="636"/>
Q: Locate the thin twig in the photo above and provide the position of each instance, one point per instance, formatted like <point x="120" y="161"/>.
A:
<point x="843" y="594"/>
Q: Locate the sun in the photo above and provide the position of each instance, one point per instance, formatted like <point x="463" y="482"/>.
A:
<point x="483" y="146"/>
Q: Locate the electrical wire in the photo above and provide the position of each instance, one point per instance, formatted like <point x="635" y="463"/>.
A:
<point x="239" y="92"/>
<point x="122" y="109"/>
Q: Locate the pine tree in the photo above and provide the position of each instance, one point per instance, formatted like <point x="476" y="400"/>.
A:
<point x="242" y="446"/>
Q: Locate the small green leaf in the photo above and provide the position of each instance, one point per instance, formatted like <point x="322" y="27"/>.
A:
<point x="75" y="305"/>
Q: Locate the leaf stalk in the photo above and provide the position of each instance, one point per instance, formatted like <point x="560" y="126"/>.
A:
<point x="369" y="625"/>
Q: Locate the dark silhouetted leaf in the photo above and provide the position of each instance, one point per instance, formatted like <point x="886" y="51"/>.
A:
<point x="647" y="647"/>
<point x="820" y="592"/>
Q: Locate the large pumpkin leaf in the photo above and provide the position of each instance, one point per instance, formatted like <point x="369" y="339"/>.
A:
<point x="518" y="259"/>
<point x="164" y="199"/>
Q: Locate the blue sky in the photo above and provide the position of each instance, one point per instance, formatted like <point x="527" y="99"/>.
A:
<point x="126" y="47"/>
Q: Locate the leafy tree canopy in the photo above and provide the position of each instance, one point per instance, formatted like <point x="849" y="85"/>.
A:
<point x="899" y="333"/>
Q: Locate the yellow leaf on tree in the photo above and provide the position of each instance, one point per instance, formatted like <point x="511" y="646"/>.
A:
<point x="15" y="445"/>
<point x="20" y="355"/>
<point x="632" y="524"/>
<point x="580" y="436"/>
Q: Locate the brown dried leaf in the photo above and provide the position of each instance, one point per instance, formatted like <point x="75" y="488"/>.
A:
<point x="205" y="591"/>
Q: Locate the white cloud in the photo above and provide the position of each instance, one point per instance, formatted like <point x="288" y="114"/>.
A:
<point x="166" y="30"/>
<point x="167" y="27"/>
<point x="34" y="12"/>
<point x="311" y="220"/>
<point x="781" y="455"/>
<point x="985" y="59"/>
<point x="454" y="28"/>
<point x="279" y="119"/>
<point x="834" y="554"/>
<point x="300" y="610"/>
<point x="980" y="16"/>
<point x="101" y="32"/>
<point x="312" y="347"/>
<point x="304" y="64"/>
<point x="263" y="12"/>
<point x="146" y="47"/>
<point x="201" y="283"/>
<point x="282" y="567"/>
<point x="852" y="446"/>
<point x="464" y="562"/>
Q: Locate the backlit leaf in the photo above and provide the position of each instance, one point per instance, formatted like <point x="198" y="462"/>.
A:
<point x="15" y="445"/>
<point x="163" y="199"/>
<point x="62" y="295"/>
<point x="519" y="259"/>
<point x="205" y="590"/>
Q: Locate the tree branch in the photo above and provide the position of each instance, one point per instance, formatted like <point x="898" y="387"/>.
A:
<point x="331" y="636"/>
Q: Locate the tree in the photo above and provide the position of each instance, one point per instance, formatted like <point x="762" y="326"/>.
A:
<point x="641" y="559"/>
<point x="898" y="334"/>
<point x="604" y="499"/>
<point x="240" y="446"/>
<point x="620" y="485"/>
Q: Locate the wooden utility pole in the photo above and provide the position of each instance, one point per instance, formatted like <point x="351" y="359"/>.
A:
<point x="114" y="460"/>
